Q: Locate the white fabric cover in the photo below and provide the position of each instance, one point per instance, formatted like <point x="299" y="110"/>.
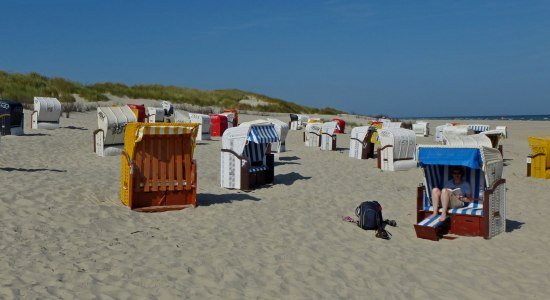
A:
<point x="474" y="140"/>
<point x="355" y="147"/>
<point x="439" y="132"/>
<point x="458" y="130"/>
<point x="312" y="134"/>
<point x="328" y="136"/>
<point x="421" y="128"/>
<point x="112" y="120"/>
<point x="48" y="113"/>
<point x="203" y="120"/>
<point x="282" y="129"/>
<point x="402" y="153"/>
<point x="391" y="125"/>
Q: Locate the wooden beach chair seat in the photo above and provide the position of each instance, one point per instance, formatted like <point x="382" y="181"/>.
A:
<point x="486" y="215"/>
<point x="158" y="171"/>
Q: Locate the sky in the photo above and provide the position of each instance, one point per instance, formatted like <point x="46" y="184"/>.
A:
<point x="399" y="58"/>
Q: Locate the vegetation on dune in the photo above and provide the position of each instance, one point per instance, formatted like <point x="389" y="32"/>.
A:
<point x="24" y="87"/>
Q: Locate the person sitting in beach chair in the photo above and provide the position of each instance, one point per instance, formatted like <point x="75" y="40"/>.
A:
<point x="454" y="194"/>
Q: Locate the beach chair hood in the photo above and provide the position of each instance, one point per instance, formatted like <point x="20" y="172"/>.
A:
<point x="474" y="140"/>
<point x="236" y="138"/>
<point x="329" y="127"/>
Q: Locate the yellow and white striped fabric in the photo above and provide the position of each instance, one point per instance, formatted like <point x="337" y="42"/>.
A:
<point x="186" y="128"/>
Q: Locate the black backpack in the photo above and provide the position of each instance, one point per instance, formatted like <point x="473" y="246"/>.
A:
<point x="370" y="215"/>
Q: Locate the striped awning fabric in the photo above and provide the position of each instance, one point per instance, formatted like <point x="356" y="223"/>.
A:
<point x="263" y="134"/>
<point x="479" y="128"/>
<point x="165" y="130"/>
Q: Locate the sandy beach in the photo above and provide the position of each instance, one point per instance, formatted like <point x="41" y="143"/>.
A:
<point x="65" y="233"/>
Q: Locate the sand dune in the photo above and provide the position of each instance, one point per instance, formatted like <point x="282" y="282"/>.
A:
<point x="65" y="233"/>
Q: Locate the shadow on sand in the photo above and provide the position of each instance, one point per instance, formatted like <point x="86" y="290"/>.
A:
<point x="36" y="134"/>
<point x="75" y="128"/>
<point x="290" y="178"/>
<point x="289" y="158"/>
<point x="512" y="225"/>
<point x="210" y="199"/>
<point x="31" y="170"/>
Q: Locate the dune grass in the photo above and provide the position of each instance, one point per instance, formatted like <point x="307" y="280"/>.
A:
<point x="24" y="87"/>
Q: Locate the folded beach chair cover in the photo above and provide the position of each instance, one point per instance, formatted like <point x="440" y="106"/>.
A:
<point x="474" y="140"/>
<point x="158" y="171"/>
<point x="312" y="134"/>
<point x="328" y="135"/>
<point x="397" y="149"/>
<point x="201" y="119"/>
<point x="282" y="131"/>
<point x="46" y="113"/>
<point x="540" y="156"/>
<point x="13" y="118"/>
<point x="421" y="128"/>
<point x="111" y="123"/>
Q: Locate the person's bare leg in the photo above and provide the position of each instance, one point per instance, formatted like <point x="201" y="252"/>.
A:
<point x="445" y="199"/>
<point x="436" y="196"/>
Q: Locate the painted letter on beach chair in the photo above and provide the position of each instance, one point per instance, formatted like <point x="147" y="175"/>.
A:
<point x="158" y="170"/>
<point x="246" y="161"/>
<point x="485" y="216"/>
<point x="397" y="149"/>
<point x="328" y="136"/>
<point x="46" y="113"/>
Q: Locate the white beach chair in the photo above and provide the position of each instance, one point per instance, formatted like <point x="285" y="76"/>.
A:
<point x="282" y="131"/>
<point x="439" y="132"/>
<point x="397" y="149"/>
<point x="111" y="122"/>
<point x="230" y="118"/>
<point x="312" y="135"/>
<point x="202" y="120"/>
<point x="421" y="128"/>
<point x="504" y="131"/>
<point x="328" y="136"/>
<point x="390" y="124"/>
<point x="458" y="130"/>
<point x="246" y="161"/>
<point x="360" y="144"/>
<point x="474" y="140"/>
<point x="46" y="113"/>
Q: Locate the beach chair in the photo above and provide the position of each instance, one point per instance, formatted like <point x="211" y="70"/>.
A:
<point x="13" y="120"/>
<point x="282" y="131"/>
<point x="360" y="144"/>
<point x="111" y="122"/>
<point x="486" y="215"/>
<point x="496" y="137"/>
<point x="232" y="117"/>
<point x="158" y="172"/>
<point x="218" y="124"/>
<point x="439" y="132"/>
<point x="202" y="120"/>
<point x="502" y="129"/>
<point x="341" y="128"/>
<point x="390" y="124"/>
<point x="163" y="114"/>
<point x="474" y="140"/>
<point x="421" y="128"/>
<point x="328" y="136"/>
<point x="397" y="150"/>
<point x="312" y="134"/>
<point x="457" y="130"/>
<point x="139" y="111"/>
<point x="538" y="162"/>
<point x="46" y="113"/>
<point x="246" y="161"/>
<point x="477" y="128"/>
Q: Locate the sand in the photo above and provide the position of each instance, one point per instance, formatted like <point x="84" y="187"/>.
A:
<point x="65" y="234"/>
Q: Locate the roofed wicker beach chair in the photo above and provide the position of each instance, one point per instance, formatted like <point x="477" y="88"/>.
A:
<point x="13" y="120"/>
<point x="421" y="128"/>
<point x="282" y="131"/>
<point x="163" y="114"/>
<point x="246" y="158"/>
<point x="360" y="144"/>
<point x="397" y="150"/>
<point x="486" y="215"/>
<point x="202" y="120"/>
<point x="158" y="172"/>
<point x="297" y="122"/>
<point x="46" y="113"/>
<point x="538" y="162"/>
<point x="328" y="136"/>
<point x="474" y="140"/>
<point x="111" y="123"/>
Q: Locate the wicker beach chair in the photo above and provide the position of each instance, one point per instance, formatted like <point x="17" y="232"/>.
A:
<point x="360" y="144"/>
<point x="538" y="162"/>
<point x="46" y="113"/>
<point x="312" y="134"/>
<point x="246" y="159"/>
<point x="397" y="150"/>
<point x="486" y="215"/>
<point x="111" y="122"/>
<point x="158" y="172"/>
<point x="328" y="136"/>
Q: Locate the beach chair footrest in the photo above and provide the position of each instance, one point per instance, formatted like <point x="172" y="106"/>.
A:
<point x="432" y="228"/>
<point x="163" y="208"/>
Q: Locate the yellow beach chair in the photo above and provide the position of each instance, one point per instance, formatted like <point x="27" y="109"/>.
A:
<point x="158" y="169"/>
<point x="538" y="163"/>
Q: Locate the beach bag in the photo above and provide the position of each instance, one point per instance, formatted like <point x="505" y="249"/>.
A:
<point x="370" y="215"/>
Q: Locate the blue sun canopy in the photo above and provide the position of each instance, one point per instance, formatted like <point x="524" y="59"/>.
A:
<point x="467" y="157"/>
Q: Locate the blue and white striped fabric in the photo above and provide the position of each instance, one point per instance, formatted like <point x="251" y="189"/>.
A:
<point x="479" y="128"/>
<point x="432" y="222"/>
<point x="263" y="134"/>
<point x="472" y="209"/>
<point x="437" y="175"/>
<point x="255" y="152"/>
<point x="258" y="169"/>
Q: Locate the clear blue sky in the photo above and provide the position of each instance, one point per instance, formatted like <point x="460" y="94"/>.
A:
<point x="402" y="58"/>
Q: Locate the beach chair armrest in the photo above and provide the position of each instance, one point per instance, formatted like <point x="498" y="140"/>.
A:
<point x="128" y="160"/>
<point x="237" y="155"/>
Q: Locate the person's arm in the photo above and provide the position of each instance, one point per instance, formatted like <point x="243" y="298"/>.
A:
<point x="467" y="197"/>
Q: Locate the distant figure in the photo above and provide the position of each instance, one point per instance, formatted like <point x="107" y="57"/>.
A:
<point x="444" y="196"/>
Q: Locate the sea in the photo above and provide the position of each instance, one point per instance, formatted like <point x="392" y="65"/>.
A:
<point x="508" y="117"/>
